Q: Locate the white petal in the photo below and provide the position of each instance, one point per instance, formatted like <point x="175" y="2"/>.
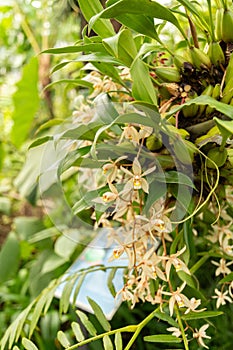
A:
<point x="137" y="170"/>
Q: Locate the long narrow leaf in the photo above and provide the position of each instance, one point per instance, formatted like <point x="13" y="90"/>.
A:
<point x="99" y="315"/>
<point x="28" y="344"/>
<point x="92" y="47"/>
<point x="87" y="324"/>
<point x="62" y="338"/>
<point x="77" y="331"/>
<point x="200" y="315"/>
<point x="162" y="338"/>
<point x="26" y="102"/>
<point x="90" y="8"/>
<point x="150" y="8"/>
<point x="143" y="89"/>
<point x="107" y="343"/>
<point x="205" y="100"/>
<point x="118" y="341"/>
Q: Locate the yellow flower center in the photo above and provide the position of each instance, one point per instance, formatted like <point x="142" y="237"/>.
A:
<point x="137" y="182"/>
<point x="178" y="266"/>
<point x="117" y="253"/>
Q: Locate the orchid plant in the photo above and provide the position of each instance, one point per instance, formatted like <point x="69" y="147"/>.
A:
<point x="150" y="144"/>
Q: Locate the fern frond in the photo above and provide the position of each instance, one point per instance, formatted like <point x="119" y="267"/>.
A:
<point x="40" y="306"/>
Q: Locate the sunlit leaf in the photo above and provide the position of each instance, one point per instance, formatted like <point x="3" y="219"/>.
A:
<point x="28" y="344"/>
<point x="26" y="102"/>
<point x="87" y="324"/>
<point x="122" y="46"/>
<point x="65" y="297"/>
<point x="77" y="331"/>
<point x="9" y="257"/>
<point x="162" y="338"/>
<point x="92" y="47"/>
<point x="165" y="317"/>
<point x="99" y="315"/>
<point x="37" y="313"/>
<point x="110" y="284"/>
<point x="150" y="8"/>
<point x="107" y="343"/>
<point x="79" y="82"/>
<point x="205" y="100"/>
<point x="62" y="338"/>
<point x="89" y="8"/>
<point x="143" y="89"/>
<point x="200" y="315"/>
<point x="118" y="341"/>
<point x="228" y="278"/>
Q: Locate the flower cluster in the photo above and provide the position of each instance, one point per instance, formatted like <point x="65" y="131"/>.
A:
<point x="223" y="236"/>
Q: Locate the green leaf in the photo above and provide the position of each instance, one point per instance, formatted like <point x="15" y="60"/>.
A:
<point x="150" y="9"/>
<point x="37" y="313"/>
<point x="176" y="177"/>
<point x="107" y="343"/>
<point x="122" y="46"/>
<point x="199" y="263"/>
<point x="140" y="24"/>
<point x="9" y="257"/>
<point x="49" y="124"/>
<point x="52" y="263"/>
<point x="65" y="298"/>
<point x="92" y="47"/>
<point x="109" y="70"/>
<point x="50" y="292"/>
<point x="40" y="141"/>
<point x="60" y="66"/>
<point x="28" y="344"/>
<point x="13" y="332"/>
<point x="89" y="8"/>
<point x="72" y="82"/>
<point x="86" y="200"/>
<point x="165" y="317"/>
<point x="26" y="102"/>
<point x="118" y="341"/>
<point x="110" y="284"/>
<point x="86" y="323"/>
<point x="162" y="338"/>
<point x="64" y="247"/>
<point x="83" y="132"/>
<point x="136" y="119"/>
<point x="188" y="279"/>
<point x="77" y="331"/>
<point x="2" y="154"/>
<point x="5" y="205"/>
<point x="98" y="57"/>
<point x="205" y="100"/>
<point x="189" y="5"/>
<point x="156" y="191"/>
<point x="48" y="232"/>
<point x="62" y="338"/>
<point x="143" y="89"/>
<point x="228" y="278"/>
<point x="78" y="287"/>
<point x="225" y="127"/>
<point x="99" y="315"/>
<point x="200" y="315"/>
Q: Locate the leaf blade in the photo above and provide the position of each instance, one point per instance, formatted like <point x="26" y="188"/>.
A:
<point x="99" y="315"/>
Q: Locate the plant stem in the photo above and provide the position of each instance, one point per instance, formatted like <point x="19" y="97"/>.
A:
<point x="211" y="20"/>
<point x="27" y="30"/>
<point x="186" y="346"/>
<point x="193" y="30"/>
<point x="139" y="328"/>
<point x="86" y="341"/>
